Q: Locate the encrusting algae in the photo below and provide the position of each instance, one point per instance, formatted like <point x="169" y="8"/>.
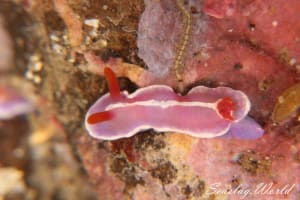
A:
<point x="287" y="104"/>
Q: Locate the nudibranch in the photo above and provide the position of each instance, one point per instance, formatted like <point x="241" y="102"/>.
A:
<point x="12" y="104"/>
<point x="203" y="112"/>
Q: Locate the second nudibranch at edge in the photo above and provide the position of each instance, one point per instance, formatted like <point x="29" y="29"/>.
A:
<point x="203" y="112"/>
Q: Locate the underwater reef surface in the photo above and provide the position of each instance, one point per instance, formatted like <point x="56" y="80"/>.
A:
<point x="54" y="53"/>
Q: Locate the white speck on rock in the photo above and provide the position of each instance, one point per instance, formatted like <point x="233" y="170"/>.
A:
<point x="92" y="22"/>
<point x="292" y="61"/>
<point x="11" y="180"/>
<point x="29" y="75"/>
<point x="275" y="23"/>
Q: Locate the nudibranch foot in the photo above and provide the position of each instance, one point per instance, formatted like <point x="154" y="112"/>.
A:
<point x="203" y="112"/>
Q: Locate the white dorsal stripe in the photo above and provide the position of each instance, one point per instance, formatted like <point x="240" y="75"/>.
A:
<point x="163" y="104"/>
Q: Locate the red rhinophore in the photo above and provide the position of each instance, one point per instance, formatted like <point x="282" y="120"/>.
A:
<point x="113" y="84"/>
<point x="99" y="117"/>
<point x="226" y="108"/>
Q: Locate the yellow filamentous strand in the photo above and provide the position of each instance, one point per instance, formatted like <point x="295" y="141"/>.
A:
<point x="178" y="64"/>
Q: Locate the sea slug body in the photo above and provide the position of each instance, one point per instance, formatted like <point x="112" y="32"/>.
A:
<point x="203" y="112"/>
<point x="12" y="104"/>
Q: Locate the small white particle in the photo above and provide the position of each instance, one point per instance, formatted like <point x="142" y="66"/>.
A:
<point x="37" y="67"/>
<point x="275" y="23"/>
<point x="103" y="42"/>
<point x="58" y="48"/>
<point x="71" y="59"/>
<point x="280" y="99"/>
<point x="292" y="61"/>
<point x="230" y="30"/>
<point x="94" y="33"/>
<point x="267" y="158"/>
<point x="88" y="40"/>
<point x="37" y="79"/>
<point x="29" y="75"/>
<point x="54" y="38"/>
<point x="205" y="65"/>
<point x="221" y="83"/>
<point x="294" y="149"/>
<point x="65" y="37"/>
<point x="104" y="7"/>
<point x="35" y="57"/>
<point x="92" y="22"/>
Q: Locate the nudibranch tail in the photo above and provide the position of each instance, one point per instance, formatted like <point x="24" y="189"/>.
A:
<point x="226" y="107"/>
<point x="247" y="128"/>
<point x="99" y="117"/>
<point x="113" y="84"/>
